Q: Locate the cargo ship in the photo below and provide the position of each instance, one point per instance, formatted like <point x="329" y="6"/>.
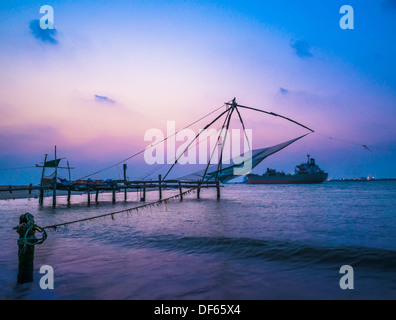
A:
<point x="307" y="172"/>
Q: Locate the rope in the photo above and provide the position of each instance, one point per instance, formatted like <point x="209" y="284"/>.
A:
<point x="31" y="229"/>
<point x="153" y="145"/>
<point x="364" y="146"/>
<point x="112" y="214"/>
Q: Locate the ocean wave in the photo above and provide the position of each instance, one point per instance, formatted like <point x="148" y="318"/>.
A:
<point x="283" y="251"/>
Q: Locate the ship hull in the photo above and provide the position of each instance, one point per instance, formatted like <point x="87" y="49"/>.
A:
<point x="288" y="179"/>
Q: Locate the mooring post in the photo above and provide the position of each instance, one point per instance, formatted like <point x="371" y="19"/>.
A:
<point x="25" y="250"/>
<point x="181" y="191"/>
<point x="68" y="195"/>
<point x="30" y="188"/>
<point x="160" y="187"/>
<point x="144" y="192"/>
<point x="218" y="189"/>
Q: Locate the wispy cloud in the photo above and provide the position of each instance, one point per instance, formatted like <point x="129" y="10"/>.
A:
<point x="45" y="35"/>
<point x="104" y="99"/>
<point x="302" y="48"/>
<point x="283" y="90"/>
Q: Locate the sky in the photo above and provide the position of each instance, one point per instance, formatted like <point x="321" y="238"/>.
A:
<point x="111" y="70"/>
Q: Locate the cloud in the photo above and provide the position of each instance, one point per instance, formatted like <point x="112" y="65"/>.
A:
<point x="283" y="90"/>
<point x="45" y="35"/>
<point x="302" y="48"/>
<point x="104" y="99"/>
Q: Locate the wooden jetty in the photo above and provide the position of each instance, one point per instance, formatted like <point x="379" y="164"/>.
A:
<point x="116" y="186"/>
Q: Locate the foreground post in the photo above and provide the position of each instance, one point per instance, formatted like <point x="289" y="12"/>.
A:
<point x="25" y="251"/>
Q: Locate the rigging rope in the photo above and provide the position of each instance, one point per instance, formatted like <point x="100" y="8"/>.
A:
<point x="112" y="214"/>
<point x="153" y="145"/>
<point x="28" y="237"/>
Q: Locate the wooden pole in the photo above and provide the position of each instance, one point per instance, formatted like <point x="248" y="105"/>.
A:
<point x="30" y="188"/>
<point x="97" y="196"/>
<point x="54" y="186"/>
<point x="218" y="189"/>
<point x="68" y="169"/>
<point x="144" y="192"/>
<point x="68" y="195"/>
<point x="54" y="195"/>
<point x="25" y="251"/>
<point x="181" y="191"/>
<point x="199" y="190"/>
<point x="10" y="187"/>
<point x="41" y="198"/>
<point x="160" y="187"/>
<point x="89" y="196"/>
<point x="114" y="195"/>
<point x="125" y="181"/>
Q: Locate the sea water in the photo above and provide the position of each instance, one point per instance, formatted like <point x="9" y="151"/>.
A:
<point x="257" y="242"/>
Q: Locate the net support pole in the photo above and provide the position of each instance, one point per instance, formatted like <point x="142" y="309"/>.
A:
<point x="160" y="186"/>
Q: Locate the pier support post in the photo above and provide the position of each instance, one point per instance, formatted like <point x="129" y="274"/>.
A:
<point x="54" y="195"/>
<point x="218" y="189"/>
<point x="41" y="196"/>
<point x="25" y="251"/>
<point x="125" y="182"/>
<point x="160" y="187"/>
<point x="89" y="196"/>
<point x="114" y="194"/>
<point x="199" y="190"/>
<point x="68" y="195"/>
<point x="97" y="196"/>
<point x="144" y="193"/>
<point x="181" y="191"/>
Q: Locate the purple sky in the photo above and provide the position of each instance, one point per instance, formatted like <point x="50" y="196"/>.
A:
<point x="112" y="70"/>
